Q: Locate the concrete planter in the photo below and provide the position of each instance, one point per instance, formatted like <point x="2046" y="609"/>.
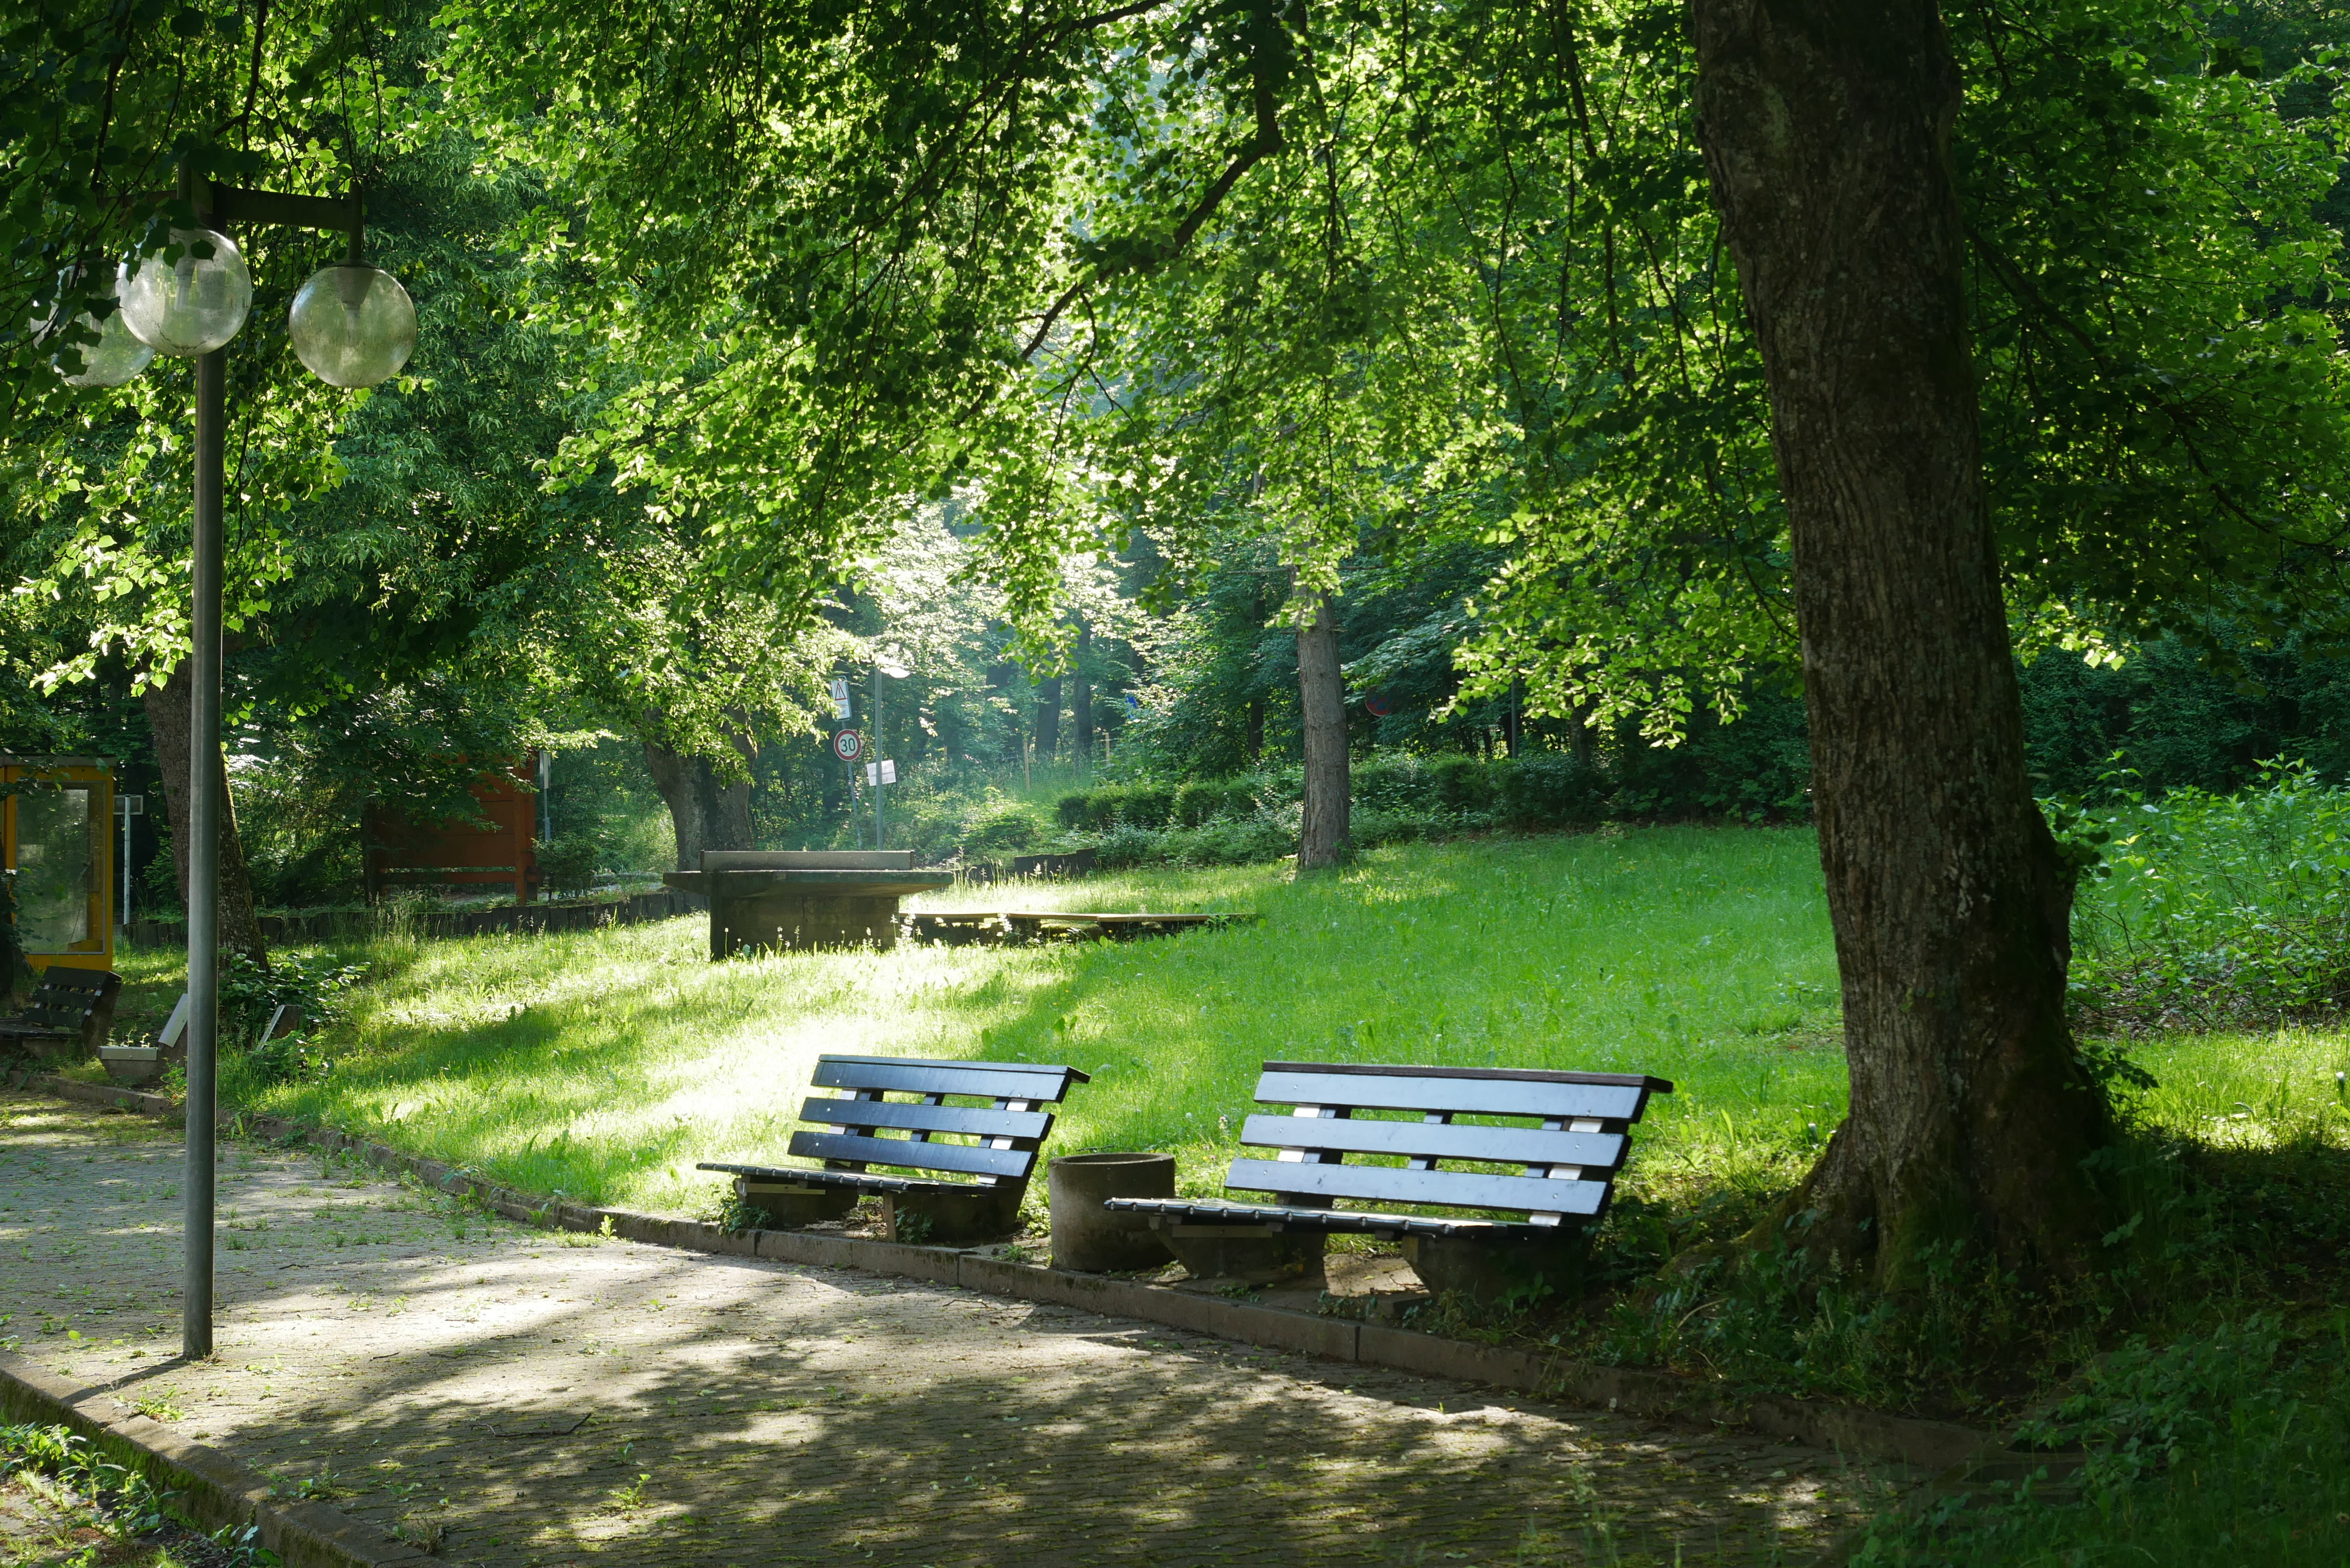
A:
<point x="1088" y="1237"/>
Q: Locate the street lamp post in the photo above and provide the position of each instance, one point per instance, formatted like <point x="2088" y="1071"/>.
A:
<point x="353" y="325"/>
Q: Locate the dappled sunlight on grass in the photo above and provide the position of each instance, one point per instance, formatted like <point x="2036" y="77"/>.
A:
<point x="604" y="1065"/>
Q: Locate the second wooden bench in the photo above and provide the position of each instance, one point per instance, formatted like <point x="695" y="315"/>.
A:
<point x="1556" y="1174"/>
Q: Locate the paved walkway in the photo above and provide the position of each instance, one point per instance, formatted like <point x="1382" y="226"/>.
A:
<point x="518" y="1397"/>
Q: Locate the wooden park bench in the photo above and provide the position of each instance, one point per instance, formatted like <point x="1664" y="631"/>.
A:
<point x="991" y="1147"/>
<point x="73" y="1008"/>
<point x="1554" y="1175"/>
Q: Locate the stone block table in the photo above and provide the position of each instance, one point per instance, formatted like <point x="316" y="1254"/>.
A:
<point x="796" y="899"/>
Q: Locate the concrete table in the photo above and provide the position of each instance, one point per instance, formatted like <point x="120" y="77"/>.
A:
<point x="797" y="899"/>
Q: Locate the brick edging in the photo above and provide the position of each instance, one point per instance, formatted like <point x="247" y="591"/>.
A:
<point x="1935" y="1446"/>
<point x="214" y="1489"/>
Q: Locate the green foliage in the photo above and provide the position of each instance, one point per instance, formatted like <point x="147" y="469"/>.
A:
<point x="2232" y="1444"/>
<point x="569" y="864"/>
<point x="2213" y="910"/>
<point x="142" y="1519"/>
<point x="1008" y="828"/>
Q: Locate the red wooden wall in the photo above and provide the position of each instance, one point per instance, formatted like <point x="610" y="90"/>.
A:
<point x="456" y="851"/>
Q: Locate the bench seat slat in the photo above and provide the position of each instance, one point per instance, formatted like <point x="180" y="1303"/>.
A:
<point x="1220" y="1211"/>
<point x="800" y="1175"/>
<point x="1476" y="1096"/>
<point x="1450" y="1188"/>
<point x="1008" y="1081"/>
<point x="972" y="1160"/>
<point x="1508" y="1146"/>
<point x="898" y="1114"/>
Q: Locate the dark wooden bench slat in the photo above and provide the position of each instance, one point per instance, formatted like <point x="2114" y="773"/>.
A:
<point x="1450" y="1189"/>
<point x="1008" y="1082"/>
<point x="1508" y="1146"/>
<point x="1029" y="1126"/>
<point x="801" y="1175"/>
<point x="1224" y="1212"/>
<point x="969" y="1158"/>
<point x="1416" y="1092"/>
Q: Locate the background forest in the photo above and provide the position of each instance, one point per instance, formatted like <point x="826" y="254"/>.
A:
<point x="1518" y="476"/>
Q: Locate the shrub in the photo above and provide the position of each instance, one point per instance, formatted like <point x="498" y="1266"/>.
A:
<point x="1008" y="828"/>
<point x="1203" y="801"/>
<point x="1549" y="789"/>
<point x="1393" y="784"/>
<point x="568" y="863"/>
<point x="1146" y="805"/>
<point x="1462" y="784"/>
<point x="2214" y="910"/>
<point x="1071" y="810"/>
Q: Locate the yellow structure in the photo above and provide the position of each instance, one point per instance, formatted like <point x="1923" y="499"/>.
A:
<point x="56" y="814"/>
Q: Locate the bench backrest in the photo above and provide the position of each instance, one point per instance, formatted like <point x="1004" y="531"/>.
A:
<point x="80" y="1000"/>
<point x="1567" y="1160"/>
<point x="1005" y="1131"/>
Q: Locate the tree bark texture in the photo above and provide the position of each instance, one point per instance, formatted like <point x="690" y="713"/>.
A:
<point x="705" y="812"/>
<point x="1323" y="840"/>
<point x="1081" y="697"/>
<point x="170" y="720"/>
<point x="1047" y="730"/>
<point x="1825" y="128"/>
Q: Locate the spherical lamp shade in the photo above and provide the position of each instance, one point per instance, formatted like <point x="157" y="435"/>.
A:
<point x="353" y="325"/>
<point x="116" y="358"/>
<point x="190" y="305"/>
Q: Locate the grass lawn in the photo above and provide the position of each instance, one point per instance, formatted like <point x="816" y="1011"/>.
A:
<point x="604" y="1065"/>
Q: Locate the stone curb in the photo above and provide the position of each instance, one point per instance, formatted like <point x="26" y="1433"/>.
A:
<point x="1932" y="1446"/>
<point x="214" y="1490"/>
<point x="137" y="1100"/>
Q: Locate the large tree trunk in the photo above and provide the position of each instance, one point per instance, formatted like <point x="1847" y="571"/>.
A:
<point x="1048" y="719"/>
<point x="170" y="720"/>
<point x="705" y="812"/>
<point x="1081" y="697"/>
<point x="1825" y="128"/>
<point x="1323" y="840"/>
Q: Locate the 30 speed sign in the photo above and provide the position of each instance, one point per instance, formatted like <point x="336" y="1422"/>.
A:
<point x="847" y="744"/>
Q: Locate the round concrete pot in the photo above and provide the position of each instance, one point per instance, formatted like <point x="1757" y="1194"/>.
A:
<point x="1086" y="1236"/>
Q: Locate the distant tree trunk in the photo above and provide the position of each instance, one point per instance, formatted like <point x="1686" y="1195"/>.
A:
<point x="1048" y="719"/>
<point x="1253" y="729"/>
<point x="1825" y="128"/>
<point x="1081" y="696"/>
<point x="169" y="717"/>
<point x="704" y="813"/>
<point x="1321" y="703"/>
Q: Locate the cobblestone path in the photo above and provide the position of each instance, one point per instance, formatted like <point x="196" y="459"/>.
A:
<point x="527" y="1398"/>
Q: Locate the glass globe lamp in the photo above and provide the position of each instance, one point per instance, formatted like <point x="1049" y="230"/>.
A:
<point x="117" y="356"/>
<point x="353" y="325"/>
<point x="190" y="306"/>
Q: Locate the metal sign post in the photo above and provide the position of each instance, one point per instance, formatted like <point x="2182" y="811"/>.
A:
<point x="126" y="806"/>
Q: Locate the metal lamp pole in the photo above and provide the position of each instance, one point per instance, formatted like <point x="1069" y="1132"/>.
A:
<point x="214" y="205"/>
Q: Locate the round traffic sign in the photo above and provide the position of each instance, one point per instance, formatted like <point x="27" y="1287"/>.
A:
<point x="847" y="744"/>
<point x="1378" y="705"/>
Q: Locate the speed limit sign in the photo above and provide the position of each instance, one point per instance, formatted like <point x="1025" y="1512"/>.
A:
<point x="848" y="745"/>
